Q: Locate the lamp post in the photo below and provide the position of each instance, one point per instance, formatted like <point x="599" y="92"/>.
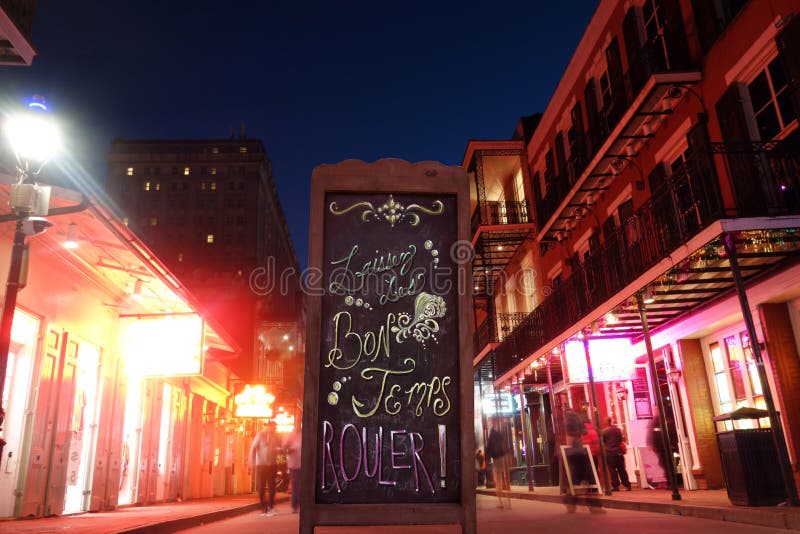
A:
<point x="33" y="139"/>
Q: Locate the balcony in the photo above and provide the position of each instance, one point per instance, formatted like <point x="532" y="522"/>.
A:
<point x="765" y="177"/>
<point x="499" y="213"/>
<point x="653" y="86"/>
<point x="493" y="331"/>
<point x="686" y="212"/>
<point x="501" y="219"/>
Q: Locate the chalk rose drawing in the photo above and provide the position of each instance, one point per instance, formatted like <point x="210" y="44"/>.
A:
<point x="423" y="325"/>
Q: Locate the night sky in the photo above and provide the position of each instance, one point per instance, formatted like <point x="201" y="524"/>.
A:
<point x="317" y="82"/>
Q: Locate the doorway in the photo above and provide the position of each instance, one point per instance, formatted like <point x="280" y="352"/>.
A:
<point x="16" y="398"/>
<point x="83" y="427"/>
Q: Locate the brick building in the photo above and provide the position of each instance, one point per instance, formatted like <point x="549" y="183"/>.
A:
<point x="665" y="166"/>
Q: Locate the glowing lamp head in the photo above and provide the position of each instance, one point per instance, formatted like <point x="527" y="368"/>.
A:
<point x="33" y="135"/>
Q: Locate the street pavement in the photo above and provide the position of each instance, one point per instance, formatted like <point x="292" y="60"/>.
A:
<point x="524" y="516"/>
<point x="543" y="510"/>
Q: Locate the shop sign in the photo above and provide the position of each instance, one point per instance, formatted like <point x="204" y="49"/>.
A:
<point x="170" y="345"/>
<point x="612" y="360"/>
<point x="254" y="401"/>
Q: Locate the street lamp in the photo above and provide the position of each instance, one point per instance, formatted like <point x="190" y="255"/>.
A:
<point x="34" y="139"/>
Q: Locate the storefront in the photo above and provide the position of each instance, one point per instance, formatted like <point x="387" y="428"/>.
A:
<point x="108" y="376"/>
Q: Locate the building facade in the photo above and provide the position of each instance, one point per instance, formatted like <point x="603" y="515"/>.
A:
<point x="16" y="24"/>
<point x="117" y="390"/>
<point x="210" y="211"/>
<point x="664" y="171"/>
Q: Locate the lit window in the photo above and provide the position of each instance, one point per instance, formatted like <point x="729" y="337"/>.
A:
<point x="158" y="186"/>
<point x="210" y="238"/>
<point x="180" y="257"/>
<point x="215" y="150"/>
<point x="147" y="186"/>
<point x="130" y="171"/>
<point x="213" y="186"/>
<point x="186" y="171"/>
<point x="153" y="221"/>
<point x="213" y="171"/>
<point x="202" y="186"/>
<point x="242" y="150"/>
<point x="771" y="100"/>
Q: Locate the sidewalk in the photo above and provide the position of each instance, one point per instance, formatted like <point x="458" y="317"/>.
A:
<point x="166" y="517"/>
<point x="169" y="517"/>
<point x="704" y="504"/>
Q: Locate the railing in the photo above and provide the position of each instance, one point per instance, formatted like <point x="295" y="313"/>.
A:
<point x="684" y="204"/>
<point x="650" y="60"/>
<point x="499" y="212"/>
<point x="494" y="331"/>
<point x="765" y="177"/>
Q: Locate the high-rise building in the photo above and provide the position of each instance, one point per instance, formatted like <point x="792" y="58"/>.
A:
<point x="210" y="211"/>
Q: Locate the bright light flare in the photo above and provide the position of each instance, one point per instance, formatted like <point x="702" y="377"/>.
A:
<point x="33" y="136"/>
<point x="162" y="346"/>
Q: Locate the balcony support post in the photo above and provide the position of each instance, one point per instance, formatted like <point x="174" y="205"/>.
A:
<point x="526" y="438"/>
<point x="669" y="464"/>
<point x="778" y="439"/>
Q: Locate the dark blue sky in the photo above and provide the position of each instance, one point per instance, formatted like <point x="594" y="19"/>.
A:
<point x="318" y="82"/>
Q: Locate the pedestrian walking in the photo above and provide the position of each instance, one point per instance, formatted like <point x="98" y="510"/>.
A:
<point x="264" y="458"/>
<point x="615" y="455"/>
<point x="292" y="445"/>
<point x="497" y="451"/>
<point x="480" y="467"/>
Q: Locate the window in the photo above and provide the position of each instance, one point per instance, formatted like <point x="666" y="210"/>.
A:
<point x="130" y="171"/>
<point x="736" y="377"/>
<point x="771" y="101"/>
<point x="174" y="170"/>
<point x="213" y="171"/>
<point x="213" y="186"/>
<point x="210" y="238"/>
<point x="605" y="91"/>
<point x="180" y="257"/>
<point x="242" y="150"/>
<point x="215" y="150"/>
<point x="202" y="186"/>
<point x="186" y="171"/>
<point x="158" y="186"/>
<point x="147" y="186"/>
<point x="153" y="221"/>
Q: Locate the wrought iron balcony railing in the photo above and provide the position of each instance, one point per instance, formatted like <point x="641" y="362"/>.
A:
<point x="499" y="212"/>
<point x="653" y="58"/>
<point x="678" y="209"/>
<point x="495" y="330"/>
<point x="765" y="177"/>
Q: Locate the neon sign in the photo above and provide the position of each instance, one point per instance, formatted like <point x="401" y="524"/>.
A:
<point x="612" y="360"/>
<point x="254" y="401"/>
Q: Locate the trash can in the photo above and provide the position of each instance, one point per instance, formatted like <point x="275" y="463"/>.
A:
<point x="749" y="463"/>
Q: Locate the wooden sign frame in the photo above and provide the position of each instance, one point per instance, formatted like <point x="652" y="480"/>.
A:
<point x="590" y="460"/>
<point x="388" y="176"/>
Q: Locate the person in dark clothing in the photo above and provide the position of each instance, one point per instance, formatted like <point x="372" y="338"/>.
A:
<point x="497" y="451"/>
<point x="615" y="455"/>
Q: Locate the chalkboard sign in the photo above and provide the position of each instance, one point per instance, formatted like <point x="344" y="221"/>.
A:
<point x="389" y="384"/>
<point x="388" y="401"/>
